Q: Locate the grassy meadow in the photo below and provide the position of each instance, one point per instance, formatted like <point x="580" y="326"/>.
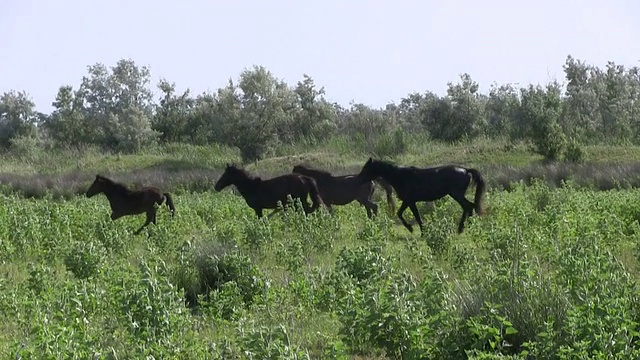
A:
<point x="550" y="272"/>
<point x="35" y="172"/>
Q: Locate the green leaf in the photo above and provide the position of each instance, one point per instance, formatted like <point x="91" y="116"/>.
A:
<point x="511" y="330"/>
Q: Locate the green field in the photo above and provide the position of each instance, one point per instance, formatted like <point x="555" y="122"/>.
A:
<point x="185" y="168"/>
<point x="549" y="272"/>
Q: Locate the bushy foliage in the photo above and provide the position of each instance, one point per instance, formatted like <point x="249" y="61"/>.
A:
<point x="539" y="115"/>
<point x="549" y="274"/>
<point x="574" y="153"/>
<point x="260" y="114"/>
<point x="391" y="145"/>
<point x="84" y="260"/>
<point x="18" y="117"/>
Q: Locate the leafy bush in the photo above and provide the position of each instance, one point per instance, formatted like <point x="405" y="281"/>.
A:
<point x="391" y="145"/>
<point x="552" y="274"/>
<point x="549" y="142"/>
<point x="216" y="270"/>
<point x="84" y="260"/>
<point x="574" y="152"/>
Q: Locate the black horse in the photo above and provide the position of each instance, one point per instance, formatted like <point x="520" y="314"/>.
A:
<point x="343" y="189"/>
<point x="125" y="202"/>
<point x="414" y="184"/>
<point x="265" y="194"/>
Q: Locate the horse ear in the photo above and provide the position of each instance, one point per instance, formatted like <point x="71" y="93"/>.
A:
<point x="370" y="159"/>
<point x="228" y="165"/>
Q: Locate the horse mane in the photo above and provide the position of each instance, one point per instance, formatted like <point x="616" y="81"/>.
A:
<point x="244" y="172"/>
<point x="118" y="187"/>
<point x="390" y="165"/>
<point x="319" y="173"/>
<point x="384" y="163"/>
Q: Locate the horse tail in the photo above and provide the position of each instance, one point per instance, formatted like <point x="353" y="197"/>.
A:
<point x="480" y="189"/>
<point x="313" y="192"/>
<point x="389" y="190"/>
<point x="170" y="205"/>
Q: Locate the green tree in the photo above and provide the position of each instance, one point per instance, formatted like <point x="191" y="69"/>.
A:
<point x="460" y="114"/>
<point x="267" y="103"/>
<point x="634" y="93"/>
<point x="212" y="115"/>
<point x="315" y="117"/>
<point x="616" y="103"/>
<point x="18" y="117"/>
<point x="173" y="114"/>
<point x="67" y="125"/>
<point x="361" y="120"/>
<point x="540" y="110"/>
<point x="581" y="116"/>
<point x="501" y="109"/>
<point x="255" y="115"/>
<point x="415" y="111"/>
<point x="119" y="104"/>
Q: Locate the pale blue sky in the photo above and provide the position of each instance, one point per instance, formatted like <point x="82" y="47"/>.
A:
<point x="373" y="51"/>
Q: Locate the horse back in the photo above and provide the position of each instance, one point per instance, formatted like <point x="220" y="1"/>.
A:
<point x="278" y="189"/>
<point x="153" y="193"/>
<point x="144" y="198"/>
<point x="429" y="184"/>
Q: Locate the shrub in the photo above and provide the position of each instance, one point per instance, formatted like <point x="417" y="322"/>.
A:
<point x="574" y="152"/>
<point x="214" y="270"/>
<point x="391" y="145"/>
<point x="84" y="259"/>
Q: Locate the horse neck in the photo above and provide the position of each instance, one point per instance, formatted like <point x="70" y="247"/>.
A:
<point x="113" y="190"/>
<point x="247" y="185"/>
<point x="391" y="175"/>
<point x="317" y="175"/>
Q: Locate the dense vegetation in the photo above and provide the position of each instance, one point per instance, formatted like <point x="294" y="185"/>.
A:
<point x="114" y="108"/>
<point x="550" y="272"/>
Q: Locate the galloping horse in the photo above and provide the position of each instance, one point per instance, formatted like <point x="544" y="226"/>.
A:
<point x="125" y="202"/>
<point x="414" y="184"/>
<point x="265" y="194"/>
<point x="343" y="189"/>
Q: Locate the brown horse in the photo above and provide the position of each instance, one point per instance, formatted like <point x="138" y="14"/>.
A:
<point x="414" y="184"/>
<point x="125" y="202"/>
<point x="265" y="194"/>
<point x="343" y="189"/>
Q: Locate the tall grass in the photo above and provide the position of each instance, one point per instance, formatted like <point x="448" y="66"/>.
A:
<point x="34" y="172"/>
<point x="548" y="273"/>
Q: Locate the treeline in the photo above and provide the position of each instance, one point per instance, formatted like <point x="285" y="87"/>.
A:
<point x="114" y="108"/>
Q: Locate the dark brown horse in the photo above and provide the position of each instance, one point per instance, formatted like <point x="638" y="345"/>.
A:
<point x="343" y="189"/>
<point x="125" y="202"/>
<point x="265" y="194"/>
<point x="414" y="184"/>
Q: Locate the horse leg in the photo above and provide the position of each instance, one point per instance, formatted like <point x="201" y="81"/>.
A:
<point x="259" y="212"/>
<point x="150" y="219"/>
<point x="368" y="203"/>
<point x="372" y="208"/>
<point x="401" y="210"/>
<point x="416" y="214"/>
<point x="467" y="209"/>
<point x="116" y="215"/>
<point x="306" y="207"/>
